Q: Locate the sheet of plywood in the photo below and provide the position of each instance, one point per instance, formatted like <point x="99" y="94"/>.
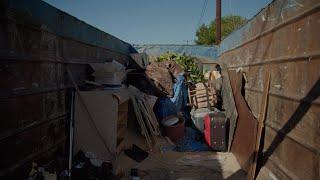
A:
<point x="246" y="130"/>
<point x="95" y="123"/>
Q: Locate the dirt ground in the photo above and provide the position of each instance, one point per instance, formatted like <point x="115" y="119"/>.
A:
<point x="168" y="164"/>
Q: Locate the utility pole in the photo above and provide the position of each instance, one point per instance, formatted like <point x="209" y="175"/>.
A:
<point x="218" y="21"/>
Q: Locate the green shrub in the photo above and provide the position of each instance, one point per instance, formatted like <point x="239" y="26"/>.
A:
<point x="187" y="63"/>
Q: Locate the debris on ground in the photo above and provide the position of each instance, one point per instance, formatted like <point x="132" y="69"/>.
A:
<point x="136" y="153"/>
<point x="192" y="141"/>
<point x="84" y="169"/>
<point x="179" y="165"/>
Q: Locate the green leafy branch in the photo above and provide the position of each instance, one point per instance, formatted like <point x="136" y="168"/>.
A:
<point x="187" y="63"/>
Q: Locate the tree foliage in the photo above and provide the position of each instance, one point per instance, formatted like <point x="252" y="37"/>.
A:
<point x="206" y="34"/>
<point x="187" y="63"/>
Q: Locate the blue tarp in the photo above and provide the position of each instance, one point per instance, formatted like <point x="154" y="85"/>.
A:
<point x="178" y="103"/>
<point x="192" y="50"/>
<point x="192" y="141"/>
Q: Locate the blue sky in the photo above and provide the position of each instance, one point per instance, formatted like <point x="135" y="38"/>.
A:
<point x="153" y="21"/>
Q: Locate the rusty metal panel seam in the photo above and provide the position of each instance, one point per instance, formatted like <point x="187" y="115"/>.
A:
<point x="290" y="20"/>
<point x="304" y="145"/>
<point x="9" y="134"/>
<point x="64" y="37"/>
<point x="31" y="92"/>
<point x="282" y="168"/>
<point x="58" y="60"/>
<point x="282" y="96"/>
<point x="283" y="59"/>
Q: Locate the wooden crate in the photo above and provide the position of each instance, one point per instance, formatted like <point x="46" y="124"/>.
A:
<point x="202" y="96"/>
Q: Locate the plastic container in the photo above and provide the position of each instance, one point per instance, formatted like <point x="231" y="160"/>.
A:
<point x="176" y="131"/>
<point x="198" y="115"/>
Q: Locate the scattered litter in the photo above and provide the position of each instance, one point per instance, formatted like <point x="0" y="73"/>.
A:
<point x="167" y="148"/>
<point x="93" y="159"/>
<point x="191" y="142"/>
<point x="136" y="153"/>
<point x="49" y="176"/>
<point x="134" y="174"/>
<point x="84" y="169"/>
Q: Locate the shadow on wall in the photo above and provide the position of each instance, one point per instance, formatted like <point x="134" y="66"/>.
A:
<point x="296" y="117"/>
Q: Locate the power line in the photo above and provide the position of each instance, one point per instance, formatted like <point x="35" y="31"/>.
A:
<point x="204" y="7"/>
<point x="231" y="13"/>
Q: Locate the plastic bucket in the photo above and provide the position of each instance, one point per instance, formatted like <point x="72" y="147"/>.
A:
<point x="176" y="131"/>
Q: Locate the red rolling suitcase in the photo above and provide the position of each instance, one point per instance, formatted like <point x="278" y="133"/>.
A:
<point x="215" y="131"/>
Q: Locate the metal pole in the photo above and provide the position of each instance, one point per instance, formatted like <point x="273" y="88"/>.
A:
<point x="218" y="21"/>
<point x="71" y="132"/>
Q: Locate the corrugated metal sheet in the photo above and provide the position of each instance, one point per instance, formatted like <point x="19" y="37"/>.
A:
<point x="285" y="38"/>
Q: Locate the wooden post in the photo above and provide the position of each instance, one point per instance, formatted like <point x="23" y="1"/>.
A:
<point x="261" y="120"/>
<point x="218" y="21"/>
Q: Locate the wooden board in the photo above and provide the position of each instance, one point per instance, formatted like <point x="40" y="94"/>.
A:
<point x="103" y="108"/>
<point x="244" y="136"/>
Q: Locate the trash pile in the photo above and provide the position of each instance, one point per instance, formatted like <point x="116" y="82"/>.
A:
<point x="187" y="97"/>
<point x="168" y="103"/>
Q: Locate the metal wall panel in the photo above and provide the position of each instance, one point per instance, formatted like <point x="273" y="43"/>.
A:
<point x="38" y="44"/>
<point x="40" y="14"/>
<point x="283" y="37"/>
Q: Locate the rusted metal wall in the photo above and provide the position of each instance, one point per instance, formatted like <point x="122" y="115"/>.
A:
<point x="35" y="52"/>
<point x="283" y="37"/>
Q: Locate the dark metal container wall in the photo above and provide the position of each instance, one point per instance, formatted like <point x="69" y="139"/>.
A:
<point x="283" y="37"/>
<point x="37" y="44"/>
